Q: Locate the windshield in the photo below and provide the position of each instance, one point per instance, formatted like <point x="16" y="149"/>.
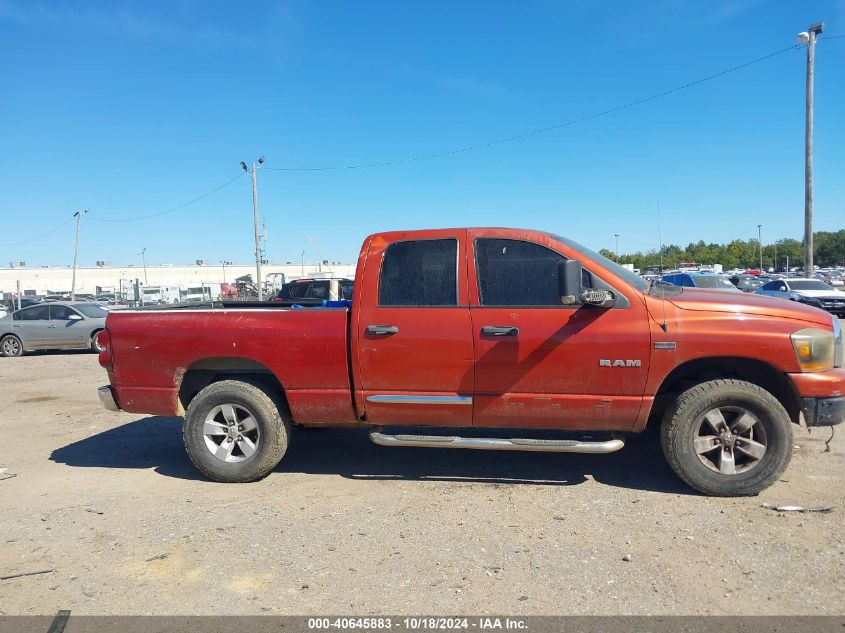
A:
<point x="632" y="278"/>
<point x="92" y="311"/>
<point x="809" y="284"/>
<point x="723" y="283"/>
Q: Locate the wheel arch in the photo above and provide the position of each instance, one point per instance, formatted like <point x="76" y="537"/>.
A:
<point x="206" y="371"/>
<point x="710" y="368"/>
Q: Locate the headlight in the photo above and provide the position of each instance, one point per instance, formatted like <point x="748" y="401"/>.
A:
<point x="814" y="349"/>
<point x="837" y="342"/>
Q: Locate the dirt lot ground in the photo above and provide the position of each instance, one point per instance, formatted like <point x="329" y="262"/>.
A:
<point x="112" y="505"/>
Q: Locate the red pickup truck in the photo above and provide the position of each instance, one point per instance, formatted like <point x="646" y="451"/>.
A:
<point x="511" y="330"/>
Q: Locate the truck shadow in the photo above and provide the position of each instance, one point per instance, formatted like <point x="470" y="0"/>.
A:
<point x="156" y="442"/>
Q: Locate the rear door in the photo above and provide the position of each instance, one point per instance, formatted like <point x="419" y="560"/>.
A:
<point x="413" y="336"/>
<point x="543" y="364"/>
<point x="30" y="326"/>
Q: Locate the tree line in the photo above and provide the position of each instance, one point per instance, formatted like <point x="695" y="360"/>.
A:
<point x="828" y="251"/>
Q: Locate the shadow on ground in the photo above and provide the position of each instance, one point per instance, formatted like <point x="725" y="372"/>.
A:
<point x="156" y="442"/>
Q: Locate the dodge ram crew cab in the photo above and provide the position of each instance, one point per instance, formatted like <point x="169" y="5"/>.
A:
<point x="490" y="338"/>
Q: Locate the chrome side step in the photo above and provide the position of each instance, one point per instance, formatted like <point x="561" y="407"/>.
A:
<point x="496" y="444"/>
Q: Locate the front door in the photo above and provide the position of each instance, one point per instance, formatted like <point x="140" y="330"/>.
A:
<point x="413" y="337"/>
<point x="542" y="364"/>
<point x="62" y="331"/>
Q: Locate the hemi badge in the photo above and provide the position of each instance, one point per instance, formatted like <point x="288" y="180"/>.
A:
<point x="665" y="345"/>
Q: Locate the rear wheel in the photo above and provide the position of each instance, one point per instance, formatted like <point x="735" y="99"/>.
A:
<point x="10" y="345"/>
<point x="235" y="431"/>
<point x="727" y="438"/>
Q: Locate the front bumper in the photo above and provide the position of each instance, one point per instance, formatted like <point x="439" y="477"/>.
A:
<point x="107" y="398"/>
<point x="824" y="411"/>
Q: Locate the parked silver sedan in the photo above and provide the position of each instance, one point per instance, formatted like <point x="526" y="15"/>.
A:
<point x="52" y="326"/>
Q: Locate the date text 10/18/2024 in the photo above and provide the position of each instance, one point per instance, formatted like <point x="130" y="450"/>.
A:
<point x="418" y="623"/>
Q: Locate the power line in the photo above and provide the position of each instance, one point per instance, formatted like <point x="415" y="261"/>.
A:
<point x="171" y="210"/>
<point x="38" y="237"/>
<point x="544" y="130"/>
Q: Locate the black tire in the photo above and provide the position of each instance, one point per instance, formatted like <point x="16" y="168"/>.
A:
<point x="10" y="345"/>
<point x="270" y="441"/>
<point x="693" y="410"/>
<point x="95" y="347"/>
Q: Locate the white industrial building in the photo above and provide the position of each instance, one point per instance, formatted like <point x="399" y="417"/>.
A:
<point x="104" y="278"/>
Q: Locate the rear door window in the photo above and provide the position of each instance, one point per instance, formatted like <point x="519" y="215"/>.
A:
<point x="37" y="313"/>
<point x="420" y="273"/>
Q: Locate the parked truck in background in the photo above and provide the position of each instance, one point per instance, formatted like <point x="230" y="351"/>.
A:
<point x="511" y="330"/>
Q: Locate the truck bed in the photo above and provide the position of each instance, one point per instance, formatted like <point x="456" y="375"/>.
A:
<point x="158" y="351"/>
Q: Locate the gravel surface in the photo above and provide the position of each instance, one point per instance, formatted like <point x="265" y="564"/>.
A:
<point x="110" y="504"/>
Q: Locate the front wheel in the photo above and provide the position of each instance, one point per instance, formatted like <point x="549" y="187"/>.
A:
<point x="94" y="345"/>
<point x="727" y="438"/>
<point x="11" y="345"/>
<point x="235" y="431"/>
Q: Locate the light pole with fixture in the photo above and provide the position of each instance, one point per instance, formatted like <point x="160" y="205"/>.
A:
<point x="19" y="282"/>
<point x="760" y="244"/>
<point x="616" y="235"/>
<point x="143" y="255"/>
<point x="252" y="171"/>
<point x="808" y="37"/>
<point x="78" y="215"/>
<point x="224" y="262"/>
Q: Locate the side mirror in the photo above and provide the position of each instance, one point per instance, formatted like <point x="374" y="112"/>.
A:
<point x="569" y="281"/>
<point x="598" y="298"/>
<point x="572" y="292"/>
<point x="74" y="317"/>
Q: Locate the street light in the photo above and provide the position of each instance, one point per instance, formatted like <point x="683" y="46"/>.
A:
<point x="143" y="255"/>
<point x="617" y="245"/>
<point x="760" y="242"/>
<point x="78" y="215"/>
<point x="224" y="262"/>
<point x="255" y="221"/>
<point x="20" y="281"/>
<point x="302" y="256"/>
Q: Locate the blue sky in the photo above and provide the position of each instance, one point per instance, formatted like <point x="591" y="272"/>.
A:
<point x="131" y="108"/>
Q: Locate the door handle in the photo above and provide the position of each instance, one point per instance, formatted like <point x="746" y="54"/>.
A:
<point x="499" y="330"/>
<point x="382" y="329"/>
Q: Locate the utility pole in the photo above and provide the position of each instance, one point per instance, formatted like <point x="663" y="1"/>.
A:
<point x="808" y="37"/>
<point x="760" y="244"/>
<point x="617" y="245"/>
<point x="78" y="215"/>
<point x="255" y="222"/>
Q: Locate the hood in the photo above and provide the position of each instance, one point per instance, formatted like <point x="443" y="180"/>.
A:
<point x="745" y="303"/>
<point x="830" y="294"/>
